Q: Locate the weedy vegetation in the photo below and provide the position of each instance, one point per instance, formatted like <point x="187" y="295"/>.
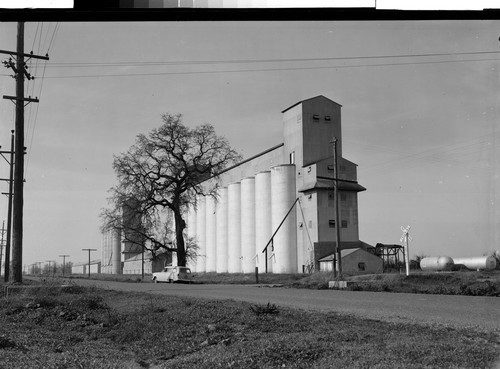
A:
<point x="484" y="283"/>
<point x="77" y="327"/>
<point x="467" y="283"/>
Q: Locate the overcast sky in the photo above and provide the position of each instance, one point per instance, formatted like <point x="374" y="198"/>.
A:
<point x="423" y="128"/>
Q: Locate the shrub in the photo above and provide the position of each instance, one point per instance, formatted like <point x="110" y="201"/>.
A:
<point x="264" y="309"/>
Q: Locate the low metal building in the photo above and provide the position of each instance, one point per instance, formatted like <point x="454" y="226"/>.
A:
<point x="354" y="261"/>
<point x="83" y="268"/>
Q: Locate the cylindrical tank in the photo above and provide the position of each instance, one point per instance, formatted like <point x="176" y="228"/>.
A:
<point x="107" y="252"/>
<point x="191" y="233"/>
<point x="477" y="262"/>
<point x="234" y="227"/>
<point x="116" y="240"/>
<point x="263" y="226"/>
<point x="221" y="230"/>
<point x="282" y="198"/>
<point x="201" y="228"/>
<point x="436" y="264"/>
<point x="248" y="225"/>
<point x="211" y="255"/>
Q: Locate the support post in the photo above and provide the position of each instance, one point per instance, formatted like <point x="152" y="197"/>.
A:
<point x="89" y="250"/>
<point x="337" y="264"/>
<point x="17" y="211"/>
<point x="64" y="262"/>
<point x="2" y="243"/>
<point x="17" y="226"/>
<point x="9" y="210"/>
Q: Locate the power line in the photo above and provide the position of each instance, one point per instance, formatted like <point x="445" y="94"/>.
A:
<point x="34" y="38"/>
<point x="56" y="29"/>
<point x="437" y="154"/>
<point x="32" y="123"/>
<point x="266" y="69"/>
<point x="250" y="61"/>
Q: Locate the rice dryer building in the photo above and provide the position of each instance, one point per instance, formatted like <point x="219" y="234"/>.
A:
<point x="286" y="191"/>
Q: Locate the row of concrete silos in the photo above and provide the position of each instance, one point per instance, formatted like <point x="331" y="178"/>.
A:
<point x="232" y="230"/>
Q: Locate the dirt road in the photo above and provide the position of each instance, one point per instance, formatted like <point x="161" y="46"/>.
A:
<point x="481" y="313"/>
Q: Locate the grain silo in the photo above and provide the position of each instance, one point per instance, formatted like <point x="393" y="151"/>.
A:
<point x="210" y="236"/>
<point x="248" y="225"/>
<point x="282" y="198"/>
<point x="234" y="228"/>
<point x="221" y="230"/>
<point x="263" y="226"/>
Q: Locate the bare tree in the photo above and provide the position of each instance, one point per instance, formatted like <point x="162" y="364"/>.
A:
<point x="165" y="170"/>
<point x="415" y="262"/>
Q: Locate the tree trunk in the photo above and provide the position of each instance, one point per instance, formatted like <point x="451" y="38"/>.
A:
<point x="180" y="225"/>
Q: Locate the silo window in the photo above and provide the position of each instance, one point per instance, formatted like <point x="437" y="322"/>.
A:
<point x="315" y="117"/>
<point x="344" y="224"/>
<point x="327" y="118"/>
<point x="292" y="157"/>
<point x="331" y="223"/>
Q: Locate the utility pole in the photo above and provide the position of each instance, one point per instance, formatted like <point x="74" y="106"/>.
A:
<point x="9" y="215"/>
<point x="53" y="270"/>
<point x="64" y="262"/>
<point x="20" y="70"/>
<point x="338" y="256"/>
<point x="2" y="243"/>
<point x="89" y="250"/>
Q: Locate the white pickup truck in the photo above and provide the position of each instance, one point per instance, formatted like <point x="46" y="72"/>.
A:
<point x="173" y="274"/>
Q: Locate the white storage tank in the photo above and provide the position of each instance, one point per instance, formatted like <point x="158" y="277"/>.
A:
<point x="263" y="231"/>
<point x="116" y="252"/>
<point x="210" y="254"/>
<point x="201" y="228"/>
<point x="248" y="225"/>
<point x="221" y="230"/>
<point x="234" y="228"/>
<point x="477" y="262"/>
<point x="436" y="264"/>
<point x="282" y="198"/>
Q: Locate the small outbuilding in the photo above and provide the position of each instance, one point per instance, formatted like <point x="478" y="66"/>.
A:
<point x="354" y="261"/>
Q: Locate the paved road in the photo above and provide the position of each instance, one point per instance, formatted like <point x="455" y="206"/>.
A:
<point x="481" y="313"/>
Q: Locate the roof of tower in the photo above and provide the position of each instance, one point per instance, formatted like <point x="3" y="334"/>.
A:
<point x="327" y="184"/>
<point x="312" y="98"/>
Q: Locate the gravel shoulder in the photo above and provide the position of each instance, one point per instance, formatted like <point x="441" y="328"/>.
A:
<point x="475" y="312"/>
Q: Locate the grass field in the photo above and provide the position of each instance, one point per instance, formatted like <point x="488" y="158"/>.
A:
<point x="91" y="328"/>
